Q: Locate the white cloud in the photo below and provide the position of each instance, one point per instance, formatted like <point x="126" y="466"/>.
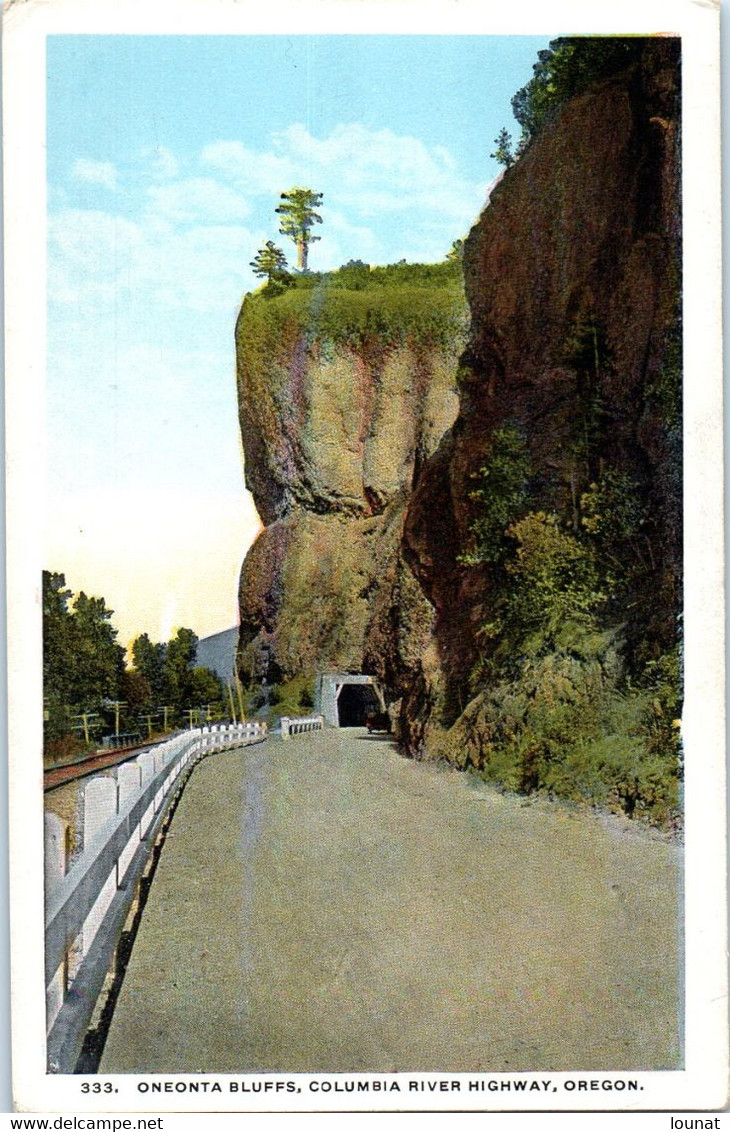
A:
<point x="341" y="240"/>
<point x="101" y="263"/>
<point x="185" y="244"/>
<point x="363" y="173"/>
<point x="143" y="303"/>
<point x="256" y="172"/>
<point x="85" y="245"/>
<point x="95" y="172"/>
<point x="94" y="536"/>
<point x="198" y="199"/>
<point x="378" y="170"/>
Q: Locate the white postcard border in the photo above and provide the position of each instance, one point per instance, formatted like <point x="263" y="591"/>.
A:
<point x="703" y="1083"/>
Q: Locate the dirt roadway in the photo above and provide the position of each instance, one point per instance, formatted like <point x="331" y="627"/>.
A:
<point x="324" y="904"/>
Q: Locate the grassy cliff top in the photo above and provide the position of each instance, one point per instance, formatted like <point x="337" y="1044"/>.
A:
<point x="360" y="306"/>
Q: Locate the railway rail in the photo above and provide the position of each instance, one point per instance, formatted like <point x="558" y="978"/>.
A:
<point x="56" y="776"/>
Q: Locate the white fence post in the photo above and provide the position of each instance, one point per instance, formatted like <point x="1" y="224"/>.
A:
<point x="146" y="764"/>
<point x="296" y="726"/>
<point x="55" y="859"/>
<point x="160" y="757"/>
<point x="100" y="804"/>
<point x="129" y="781"/>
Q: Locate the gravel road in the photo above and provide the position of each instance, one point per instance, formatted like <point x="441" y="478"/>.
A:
<point x="325" y="904"/>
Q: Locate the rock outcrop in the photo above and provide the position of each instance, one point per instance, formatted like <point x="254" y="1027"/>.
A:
<point x="344" y="394"/>
<point x="581" y="237"/>
<point x="366" y="413"/>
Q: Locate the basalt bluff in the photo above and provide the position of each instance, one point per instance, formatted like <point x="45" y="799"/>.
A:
<point x="347" y="382"/>
<point x="489" y="518"/>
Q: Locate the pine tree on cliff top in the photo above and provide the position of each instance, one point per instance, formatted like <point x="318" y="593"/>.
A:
<point x="298" y="214"/>
<point x="269" y="261"/>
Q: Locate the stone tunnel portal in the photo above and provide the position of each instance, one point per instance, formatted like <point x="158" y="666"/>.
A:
<point x="346" y="698"/>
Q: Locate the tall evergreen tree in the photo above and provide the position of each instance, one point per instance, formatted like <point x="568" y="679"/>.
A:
<point x="298" y="217"/>
<point x="99" y="659"/>
<point x="149" y="661"/>
<point x="182" y="651"/>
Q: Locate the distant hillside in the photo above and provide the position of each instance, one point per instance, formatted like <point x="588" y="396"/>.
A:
<point x="219" y="651"/>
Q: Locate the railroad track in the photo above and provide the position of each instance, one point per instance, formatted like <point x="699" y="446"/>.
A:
<point x="60" y="775"/>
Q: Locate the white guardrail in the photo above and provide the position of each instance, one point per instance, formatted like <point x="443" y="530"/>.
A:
<point x="87" y="907"/>
<point x="296" y="725"/>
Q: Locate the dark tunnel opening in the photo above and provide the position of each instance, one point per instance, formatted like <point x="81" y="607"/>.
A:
<point x="354" y="703"/>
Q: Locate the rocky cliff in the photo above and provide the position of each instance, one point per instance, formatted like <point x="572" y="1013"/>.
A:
<point x="572" y="277"/>
<point x="493" y="526"/>
<point x="347" y="382"/>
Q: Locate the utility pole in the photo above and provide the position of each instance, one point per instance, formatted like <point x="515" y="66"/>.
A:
<point x="85" y="716"/>
<point x="117" y="704"/>
<point x="149" y="726"/>
<point x="190" y="713"/>
<point x="239" y="693"/>
<point x="165" y="709"/>
<point x="230" y="698"/>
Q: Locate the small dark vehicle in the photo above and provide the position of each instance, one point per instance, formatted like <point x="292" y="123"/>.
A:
<point x="377" y="721"/>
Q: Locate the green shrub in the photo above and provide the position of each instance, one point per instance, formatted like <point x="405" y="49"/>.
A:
<point x="499" y="496"/>
<point x="564" y="727"/>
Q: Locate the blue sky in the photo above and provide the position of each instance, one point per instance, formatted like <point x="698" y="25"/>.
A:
<point x="166" y="158"/>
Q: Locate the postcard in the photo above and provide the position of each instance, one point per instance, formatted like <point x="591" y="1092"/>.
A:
<point x="365" y="557"/>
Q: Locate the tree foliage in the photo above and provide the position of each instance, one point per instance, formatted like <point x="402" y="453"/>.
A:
<point x="455" y="254"/>
<point x="566" y="68"/>
<point x="500" y="495"/>
<point x="82" y="662"/>
<point x="298" y="211"/>
<point x="99" y="660"/>
<point x="566" y="699"/>
<point x="180" y="659"/>
<point x="85" y="676"/>
<point x="149" y="661"/>
<point x="205" y="687"/>
<point x="270" y="262"/>
<point x="503" y="154"/>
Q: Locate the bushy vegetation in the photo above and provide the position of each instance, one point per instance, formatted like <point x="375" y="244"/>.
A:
<point x="577" y="690"/>
<point x="567" y="67"/>
<point x="88" y="689"/>
<point x="291" y="698"/>
<point x="561" y="703"/>
<point x="570" y="726"/>
<point x="359" y="276"/>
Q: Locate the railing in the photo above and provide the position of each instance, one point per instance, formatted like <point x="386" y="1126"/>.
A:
<point x="87" y="907"/>
<point x="294" y="726"/>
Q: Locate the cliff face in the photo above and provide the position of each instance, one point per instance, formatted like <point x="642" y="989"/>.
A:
<point x="343" y="394"/>
<point x="577" y="253"/>
<point x="493" y="526"/>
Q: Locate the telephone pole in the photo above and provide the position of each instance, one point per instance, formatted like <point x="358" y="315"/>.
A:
<point x="230" y="698"/>
<point x="239" y="693"/>
<point x="165" y="708"/>
<point x="85" y="716"/>
<point x="117" y="704"/>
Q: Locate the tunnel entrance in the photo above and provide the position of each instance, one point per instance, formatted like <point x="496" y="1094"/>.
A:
<point x="354" y="703"/>
<point x="344" y="699"/>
